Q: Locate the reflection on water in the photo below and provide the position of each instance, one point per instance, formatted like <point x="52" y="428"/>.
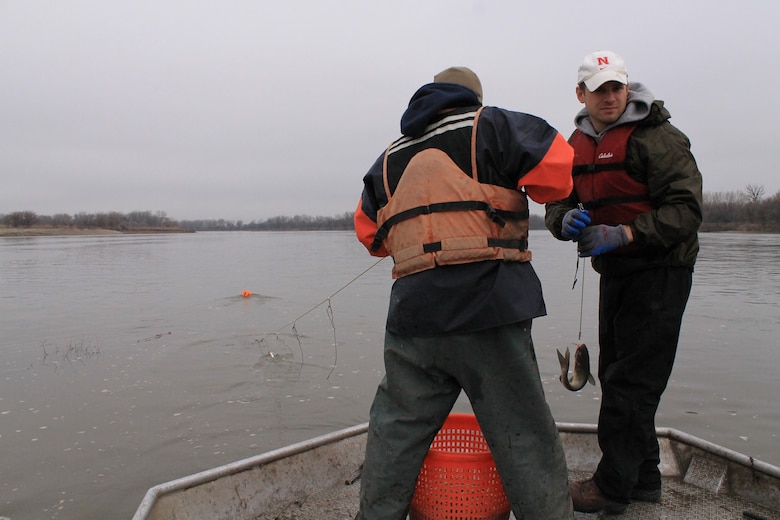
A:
<point x="132" y="360"/>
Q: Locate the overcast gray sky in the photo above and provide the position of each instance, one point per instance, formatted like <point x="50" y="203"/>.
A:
<point x="246" y="110"/>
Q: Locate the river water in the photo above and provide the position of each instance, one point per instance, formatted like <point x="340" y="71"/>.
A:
<point x="127" y="361"/>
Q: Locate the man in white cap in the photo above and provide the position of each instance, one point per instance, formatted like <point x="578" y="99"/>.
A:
<point x="635" y="209"/>
<point x="448" y="201"/>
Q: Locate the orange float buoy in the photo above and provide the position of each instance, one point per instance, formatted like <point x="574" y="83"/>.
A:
<point x="246" y="294"/>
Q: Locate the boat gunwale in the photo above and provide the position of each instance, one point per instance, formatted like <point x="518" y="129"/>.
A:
<point x="689" y="440"/>
<point x="213" y="474"/>
<point x="238" y="466"/>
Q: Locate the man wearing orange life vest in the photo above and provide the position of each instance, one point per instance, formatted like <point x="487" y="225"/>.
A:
<point x="640" y="188"/>
<point x="448" y="202"/>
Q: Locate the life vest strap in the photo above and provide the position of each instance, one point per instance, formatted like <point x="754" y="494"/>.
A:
<point x="519" y="244"/>
<point x="498" y="216"/>
<point x="583" y="169"/>
<point x="606" y="201"/>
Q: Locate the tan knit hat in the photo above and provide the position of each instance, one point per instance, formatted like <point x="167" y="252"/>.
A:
<point x="460" y="76"/>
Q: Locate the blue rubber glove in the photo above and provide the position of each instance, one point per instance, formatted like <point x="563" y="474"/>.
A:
<point x="596" y="240"/>
<point x="574" y="221"/>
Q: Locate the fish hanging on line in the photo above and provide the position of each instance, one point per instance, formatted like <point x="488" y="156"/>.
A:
<point x="581" y="372"/>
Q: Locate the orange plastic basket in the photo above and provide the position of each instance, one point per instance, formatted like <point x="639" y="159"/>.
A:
<point x="458" y="479"/>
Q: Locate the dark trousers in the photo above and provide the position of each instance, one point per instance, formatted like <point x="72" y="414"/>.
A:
<point x="639" y="326"/>
<point x="498" y="371"/>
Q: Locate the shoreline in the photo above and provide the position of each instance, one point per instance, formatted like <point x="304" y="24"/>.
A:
<point x="44" y="231"/>
<point x="63" y="231"/>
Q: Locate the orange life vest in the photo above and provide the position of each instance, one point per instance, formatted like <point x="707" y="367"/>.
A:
<point x="440" y="215"/>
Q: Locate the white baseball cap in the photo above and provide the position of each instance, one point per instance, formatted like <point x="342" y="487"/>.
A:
<point x="601" y="66"/>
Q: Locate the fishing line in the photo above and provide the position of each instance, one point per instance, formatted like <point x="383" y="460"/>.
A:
<point x="335" y="350"/>
<point x="582" y="286"/>
<point x="582" y="292"/>
<point x="582" y="298"/>
<point x="300" y="347"/>
<point x="329" y="311"/>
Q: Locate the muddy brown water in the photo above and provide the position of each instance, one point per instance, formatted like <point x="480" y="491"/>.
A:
<point x="127" y="361"/>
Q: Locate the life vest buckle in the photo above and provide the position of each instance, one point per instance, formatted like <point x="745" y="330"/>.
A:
<point x="494" y="216"/>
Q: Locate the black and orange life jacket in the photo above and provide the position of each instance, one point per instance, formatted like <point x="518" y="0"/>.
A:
<point x="437" y="213"/>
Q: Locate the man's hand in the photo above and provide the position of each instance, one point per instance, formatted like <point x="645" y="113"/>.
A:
<point x="596" y="240"/>
<point x="574" y="221"/>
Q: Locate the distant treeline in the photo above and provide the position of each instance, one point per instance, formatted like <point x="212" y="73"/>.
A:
<point x="747" y="210"/>
<point x="296" y="223"/>
<point x="113" y="220"/>
<point x="146" y="220"/>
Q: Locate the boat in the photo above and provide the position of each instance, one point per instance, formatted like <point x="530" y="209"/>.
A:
<point x="319" y="478"/>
